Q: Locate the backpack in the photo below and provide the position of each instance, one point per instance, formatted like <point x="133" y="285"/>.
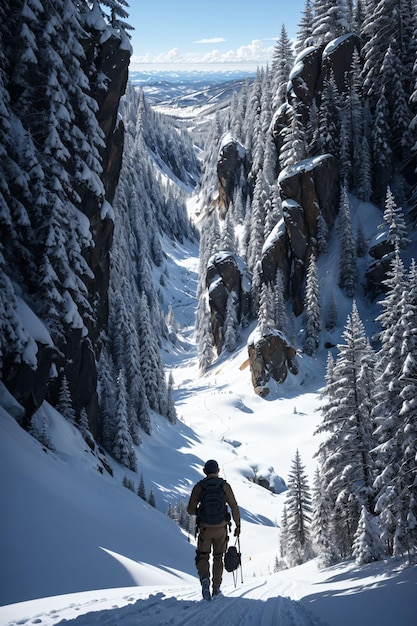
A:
<point x="232" y="559"/>
<point x="212" y="508"/>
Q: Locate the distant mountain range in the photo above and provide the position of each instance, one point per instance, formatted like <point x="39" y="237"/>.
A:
<point x="187" y="88"/>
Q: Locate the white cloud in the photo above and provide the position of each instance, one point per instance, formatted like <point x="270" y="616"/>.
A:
<point x="255" y="52"/>
<point x="212" y="40"/>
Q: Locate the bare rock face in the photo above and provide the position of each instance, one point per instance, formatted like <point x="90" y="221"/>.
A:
<point x="232" y="163"/>
<point x="270" y="356"/>
<point x="314" y="64"/>
<point x="227" y="273"/>
<point x="305" y="74"/>
<point x="308" y="189"/>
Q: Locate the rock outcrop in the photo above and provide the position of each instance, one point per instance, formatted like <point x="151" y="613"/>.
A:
<point x="270" y="356"/>
<point x="226" y="274"/>
<point x="310" y="189"/>
<point x="75" y="347"/>
<point x="232" y="163"/>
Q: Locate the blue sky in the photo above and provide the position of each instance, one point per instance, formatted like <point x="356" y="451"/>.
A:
<point x="195" y="32"/>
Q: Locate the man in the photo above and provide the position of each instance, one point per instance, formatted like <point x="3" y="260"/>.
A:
<point x="208" y="501"/>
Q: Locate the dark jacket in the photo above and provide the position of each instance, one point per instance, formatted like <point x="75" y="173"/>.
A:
<point x="230" y="499"/>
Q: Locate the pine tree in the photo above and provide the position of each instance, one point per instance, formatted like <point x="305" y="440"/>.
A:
<point x="305" y="28"/>
<point x="394" y="413"/>
<point x="280" y="312"/>
<point x="230" y="323"/>
<point x="266" y="310"/>
<point x="364" y="171"/>
<point x="367" y="546"/>
<point x="141" y="488"/>
<point x="329" y="20"/>
<point x="328" y="118"/>
<point x="346" y="464"/>
<point x="283" y="537"/>
<point x="321" y="523"/>
<point x="64" y="405"/>
<point x="347" y="264"/>
<point x="312" y="315"/>
<point x="84" y="426"/>
<point x="322" y="233"/>
<point x="123" y="446"/>
<point x="204" y="339"/>
<point x="298" y="504"/>
<point x="282" y="62"/>
<point x="394" y="219"/>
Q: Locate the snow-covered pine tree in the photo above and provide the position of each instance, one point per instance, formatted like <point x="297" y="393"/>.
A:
<point x="321" y="523"/>
<point x="322" y="233"/>
<point x="367" y="546"/>
<point x="397" y="234"/>
<point x="329" y="20"/>
<point x="107" y="394"/>
<point x="283" y="535"/>
<point x="280" y="311"/>
<point x="84" y="425"/>
<point x="346" y="464"/>
<point x="150" y="359"/>
<point x="257" y="227"/>
<point x="298" y="510"/>
<point x="64" y="405"/>
<point x="266" y="317"/>
<point x="122" y="445"/>
<point x="305" y="28"/>
<point x="141" y="487"/>
<point x="329" y="117"/>
<point x="348" y="271"/>
<point x="282" y="62"/>
<point x="293" y="147"/>
<point x="312" y="310"/>
<point x="363" y="187"/>
<point x="394" y="413"/>
<point x="204" y="337"/>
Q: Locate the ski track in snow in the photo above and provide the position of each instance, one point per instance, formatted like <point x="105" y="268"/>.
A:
<point x="252" y="604"/>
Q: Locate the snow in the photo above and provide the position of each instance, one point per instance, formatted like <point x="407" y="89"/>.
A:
<point x="228" y="139"/>
<point x="106" y="211"/>
<point x="81" y="548"/>
<point x="276" y="233"/>
<point x="31" y="323"/>
<point x="335" y="43"/>
<point x="303" y="166"/>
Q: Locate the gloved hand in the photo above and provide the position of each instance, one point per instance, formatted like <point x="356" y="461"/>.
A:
<point x="237" y="531"/>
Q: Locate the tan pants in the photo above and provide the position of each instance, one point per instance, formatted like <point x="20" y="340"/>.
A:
<point x="216" y="538"/>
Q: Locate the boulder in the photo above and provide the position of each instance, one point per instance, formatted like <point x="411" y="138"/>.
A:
<point x="270" y="356"/>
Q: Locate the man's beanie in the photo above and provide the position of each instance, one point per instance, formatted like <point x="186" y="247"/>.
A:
<point x="211" y="467"/>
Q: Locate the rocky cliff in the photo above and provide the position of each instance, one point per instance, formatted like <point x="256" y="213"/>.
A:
<point x="54" y="273"/>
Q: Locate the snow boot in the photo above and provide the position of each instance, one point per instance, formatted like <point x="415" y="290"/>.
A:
<point x="205" y="588"/>
<point x="216" y="591"/>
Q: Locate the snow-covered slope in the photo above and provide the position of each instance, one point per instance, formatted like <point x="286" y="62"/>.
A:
<point x="68" y="528"/>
